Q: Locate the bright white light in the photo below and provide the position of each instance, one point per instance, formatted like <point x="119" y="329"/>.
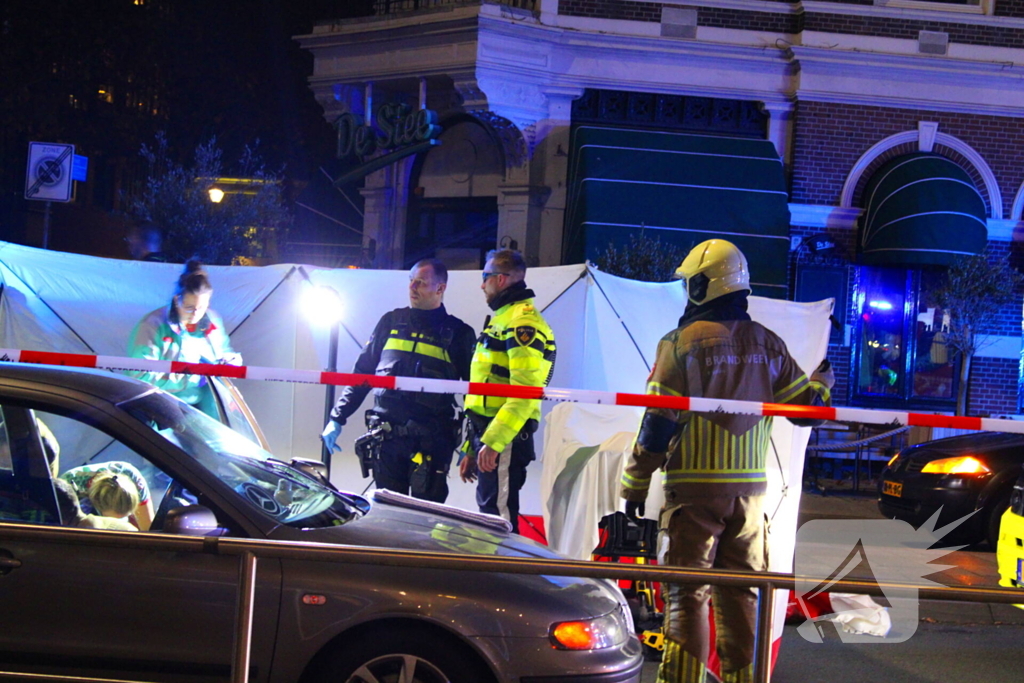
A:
<point x="881" y="305"/>
<point x="321" y="306"/>
<point x="216" y="195"/>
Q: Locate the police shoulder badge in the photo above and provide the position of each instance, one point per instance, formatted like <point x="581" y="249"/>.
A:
<point x="525" y="335"/>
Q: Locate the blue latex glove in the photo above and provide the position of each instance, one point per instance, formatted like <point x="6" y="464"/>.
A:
<point x="330" y="436"/>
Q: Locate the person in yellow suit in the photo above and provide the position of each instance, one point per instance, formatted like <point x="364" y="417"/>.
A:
<point x="714" y="463"/>
<point x="516" y="347"/>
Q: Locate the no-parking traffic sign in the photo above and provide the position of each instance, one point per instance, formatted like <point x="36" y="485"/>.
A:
<point x="49" y="171"/>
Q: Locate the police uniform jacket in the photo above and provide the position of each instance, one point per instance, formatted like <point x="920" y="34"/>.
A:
<point x="516" y="347"/>
<point x="409" y="342"/>
<point x="722" y="354"/>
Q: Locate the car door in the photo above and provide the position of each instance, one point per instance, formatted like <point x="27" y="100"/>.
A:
<point x="114" y="612"/>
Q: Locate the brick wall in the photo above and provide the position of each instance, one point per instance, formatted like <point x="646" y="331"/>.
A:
<point x="1008" y="322"/>
<point x="621" y="10"/>
<point x="824" y="21"/>
<point x="1010" y="8"/>
<point x="888" y="27"/>
<point x="993" y="386"/>
<point x="829" y="138"/>
<point x="839" y="356"/>
<point x="715" y="17"/>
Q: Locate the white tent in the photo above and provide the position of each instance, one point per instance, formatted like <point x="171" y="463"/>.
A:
<point x="606" y="327"/>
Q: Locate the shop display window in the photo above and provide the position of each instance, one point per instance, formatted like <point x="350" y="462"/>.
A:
<point x="900" y="354"/>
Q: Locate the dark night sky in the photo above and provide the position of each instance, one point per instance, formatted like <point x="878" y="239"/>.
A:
<point x="191" y="68"/>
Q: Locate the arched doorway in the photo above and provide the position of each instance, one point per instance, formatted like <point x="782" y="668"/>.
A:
<point x="453" y="201"/>
<point x="922" y="211"/>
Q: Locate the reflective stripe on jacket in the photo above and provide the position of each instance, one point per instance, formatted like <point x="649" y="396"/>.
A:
<point x="409" y="342"/>
<point x="516" y="347"/>
<point x="711" y="454"/>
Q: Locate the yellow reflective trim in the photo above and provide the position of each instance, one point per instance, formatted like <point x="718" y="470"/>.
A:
<point x="659" y="389"/>
<point x="419" y="347"/>
<point x="792" y="390"/>
<point x="737" y="470"/>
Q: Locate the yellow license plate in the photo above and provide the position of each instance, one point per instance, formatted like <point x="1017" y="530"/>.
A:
<point x="892" y="488"/>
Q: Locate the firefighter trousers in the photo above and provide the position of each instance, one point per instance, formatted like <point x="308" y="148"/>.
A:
<point x="721" y="533"/>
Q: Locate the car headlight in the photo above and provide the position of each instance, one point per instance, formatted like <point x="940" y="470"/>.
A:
<point x="590" y="634"/>
<point x="964" y="464"/>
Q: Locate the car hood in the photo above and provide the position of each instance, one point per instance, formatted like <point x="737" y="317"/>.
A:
<point x="387" y="526"/>
<point x="395" y="527"/>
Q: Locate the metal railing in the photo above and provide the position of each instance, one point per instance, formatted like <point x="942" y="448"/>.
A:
<point x="250" y="551"/>
<point x="385" y="7"/>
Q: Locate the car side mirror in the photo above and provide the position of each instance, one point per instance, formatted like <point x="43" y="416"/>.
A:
<point x="192" y="520"/>
<point x="315" y="469"/>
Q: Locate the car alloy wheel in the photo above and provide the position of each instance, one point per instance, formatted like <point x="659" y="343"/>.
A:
<point x="398" y="668"/>
<point x="399" y="653"/>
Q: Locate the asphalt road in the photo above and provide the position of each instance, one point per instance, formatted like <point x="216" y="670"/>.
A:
<point x="953" y="642"/>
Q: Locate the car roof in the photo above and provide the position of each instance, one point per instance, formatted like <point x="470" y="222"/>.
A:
<point x="975" y="441"/>
<point x="110" y="386"/>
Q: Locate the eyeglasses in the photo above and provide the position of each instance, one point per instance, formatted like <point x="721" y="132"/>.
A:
<point x="487" y="275"/>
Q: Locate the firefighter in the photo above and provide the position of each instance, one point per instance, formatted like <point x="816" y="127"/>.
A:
<point x="714" y="463"/>
<point x="516" y="347"/>
<point x="416" y="433"/>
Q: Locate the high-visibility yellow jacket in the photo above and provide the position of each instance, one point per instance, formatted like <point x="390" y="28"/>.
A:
<point x="516" y="347"/>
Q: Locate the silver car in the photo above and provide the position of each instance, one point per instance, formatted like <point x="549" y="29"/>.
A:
<point x="140" y="614"/>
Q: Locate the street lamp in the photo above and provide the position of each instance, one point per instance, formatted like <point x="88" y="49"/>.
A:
<point x="322" y="307"/>
<point x="216" y="195"/>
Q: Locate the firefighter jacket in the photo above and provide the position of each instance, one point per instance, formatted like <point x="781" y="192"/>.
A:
<point x="160" y="336"/>
<point x="409" y="342"/>
<point x="715" y="454"/>
<point x="516" y="347"/>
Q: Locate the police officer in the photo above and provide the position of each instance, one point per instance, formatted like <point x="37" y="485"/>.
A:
<point x="419" y="431"/>
<point x="714" y="463"/>
<point x="516" y="347"/>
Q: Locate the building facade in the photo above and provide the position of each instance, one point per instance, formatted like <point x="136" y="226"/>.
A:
<point x="853" y="148"/>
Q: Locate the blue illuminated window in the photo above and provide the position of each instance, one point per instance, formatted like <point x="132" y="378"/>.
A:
<point x="900" y="355"/>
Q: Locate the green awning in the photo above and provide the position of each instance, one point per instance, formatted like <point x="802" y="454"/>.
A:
<point x="921" y="208"/>
<point x="682" y="189"/>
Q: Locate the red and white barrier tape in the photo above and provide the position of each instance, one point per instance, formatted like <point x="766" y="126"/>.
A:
<point x="443" y="386"/>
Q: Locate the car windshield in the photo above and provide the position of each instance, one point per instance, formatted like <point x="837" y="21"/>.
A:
<point x="285" y="493"/>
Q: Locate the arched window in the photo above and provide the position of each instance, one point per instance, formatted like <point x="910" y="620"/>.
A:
<point x="922" y="211"/>
<point x="453" y="206"/>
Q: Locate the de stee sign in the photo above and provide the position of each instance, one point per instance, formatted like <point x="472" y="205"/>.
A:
<point x="400" y="132"/>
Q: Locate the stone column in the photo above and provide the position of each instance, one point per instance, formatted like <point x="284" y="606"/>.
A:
<point x="550" y="165"/>
<point x="386" y="194"/>
<point x="780" y="129"/>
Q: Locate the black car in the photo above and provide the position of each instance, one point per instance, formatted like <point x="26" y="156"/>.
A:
<point x="972" y="473"/>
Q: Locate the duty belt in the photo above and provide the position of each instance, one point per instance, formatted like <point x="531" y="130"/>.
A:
<point x="409" y="428"/>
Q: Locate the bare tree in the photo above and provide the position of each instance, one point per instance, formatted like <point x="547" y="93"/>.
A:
<point x="974" y="291"/>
